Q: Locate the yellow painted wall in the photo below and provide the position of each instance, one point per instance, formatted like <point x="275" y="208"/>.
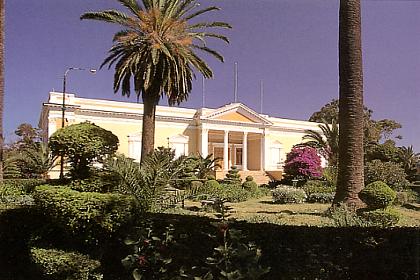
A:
<point x="163" y="132"/>
<point x="287" y="140"/>
<point x="234" y="116"/>
<point x="254" y="154"/>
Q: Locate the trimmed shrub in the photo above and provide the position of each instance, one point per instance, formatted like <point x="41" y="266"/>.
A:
<point x="211" y="177"/>
<point x="381" y="217"/>
<point x="228" y="193"/>
<point x="388" y="172"/>
<point x="377" y="195"/>
<point x="286" y="194"/>
<point x="100" y="181"/>
<point x="319" y="191"/>
<point x="233" y="177"/>
<point x="250" y="184"/>
<point x="90" y="215"/>
<point x="211" y="184"/>
<point x="60" y="265"/>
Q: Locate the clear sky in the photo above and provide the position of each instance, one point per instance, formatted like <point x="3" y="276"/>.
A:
<point x="289" y="44"/>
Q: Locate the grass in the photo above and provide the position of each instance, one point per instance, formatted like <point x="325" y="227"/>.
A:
<point x="264" y="210"/>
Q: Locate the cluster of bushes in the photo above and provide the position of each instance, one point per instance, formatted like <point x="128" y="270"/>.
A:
<point x="230" y="192"/>
<point x="313" y="191"/>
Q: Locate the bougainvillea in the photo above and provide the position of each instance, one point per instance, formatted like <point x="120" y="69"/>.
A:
<point x="303" y="162"/>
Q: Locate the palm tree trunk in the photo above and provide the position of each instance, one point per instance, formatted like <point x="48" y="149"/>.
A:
<point x="2" y="9"/>
<point x="150" y="101"/>
<point x="350" y="166"/>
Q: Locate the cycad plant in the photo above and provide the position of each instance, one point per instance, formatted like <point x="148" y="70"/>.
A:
<point x="156" y="52"/>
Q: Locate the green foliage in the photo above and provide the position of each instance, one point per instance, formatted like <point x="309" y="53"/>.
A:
<point x="385" y="152"/>
<point x="233" y="177"/>
<point x="151" y="257"/>
<point x="205" y="165"/>
<point x="83" y="144"/>
<point x="234" y="258"/>
<point x="318" y="191"/>
<point x="211" y="177"/>
<point x="409" y="160"/>
<point x="229" y="193"/>
<point x="286" y="194"/>
<point x="24" y="186"/>
<point x="211" y="184"/>
<point x="329" y="173"/>
<point x="148" y="182"/>
<point x="250" y="185"/>
<point x="60" y="265"/>
<point x="34" y="161"/>
<point x="88" y="214"/>
<point x="325" y="142"/>
<point x="377" y="195"/>
<point x="406" y="196"/>
<point x="381" y="217"/>
<point x="249" y="178"/>
<point x="100" y="181"/>
<point x="343" y="216"/>
<point x="388" y="172"/>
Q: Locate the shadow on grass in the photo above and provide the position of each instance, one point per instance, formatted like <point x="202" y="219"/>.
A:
<point x="289" y="212"/>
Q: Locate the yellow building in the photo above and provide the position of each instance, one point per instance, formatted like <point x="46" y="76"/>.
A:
<point x="257" y="144"/>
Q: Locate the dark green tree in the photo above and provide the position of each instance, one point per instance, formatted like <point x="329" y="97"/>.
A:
<point x="156" y="49"/>
<point x="83" y="144"/>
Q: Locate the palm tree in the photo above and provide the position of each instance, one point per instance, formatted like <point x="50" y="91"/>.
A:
<point x="1" y="85"/>
<point x="350" y="164"/>
<point x="156" y="47"/>
<point x="326" y="141"/>
<point x="409" y="159"/>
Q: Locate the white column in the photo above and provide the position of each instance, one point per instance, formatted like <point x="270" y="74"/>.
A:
<point x="262" y="151"/>
<point x="204" y="149"/>
<point x="226" y="151"/>
<point x="245" y="151"/>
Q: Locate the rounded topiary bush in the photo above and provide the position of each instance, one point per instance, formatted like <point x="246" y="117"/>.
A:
<point x="250" y="184"/>
<point x="286" y="194"/>
<point x="381" y="217"/>
<point x="212" y="184"/>
<point x="377" y="195"/>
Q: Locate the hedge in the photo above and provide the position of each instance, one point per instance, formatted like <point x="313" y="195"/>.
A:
<point x="61" y="265"/>
<point x="94" y="214"/>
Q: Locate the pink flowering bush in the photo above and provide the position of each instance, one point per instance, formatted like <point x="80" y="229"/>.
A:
<point x="303" y="162"/>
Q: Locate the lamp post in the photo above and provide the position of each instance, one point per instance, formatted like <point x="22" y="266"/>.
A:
<point x="63" y="108"/>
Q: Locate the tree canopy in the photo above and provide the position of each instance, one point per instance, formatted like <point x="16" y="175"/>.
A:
<point x="83" y="144"/>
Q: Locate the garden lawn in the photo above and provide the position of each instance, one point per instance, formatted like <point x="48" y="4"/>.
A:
<point x="264" y="210"/>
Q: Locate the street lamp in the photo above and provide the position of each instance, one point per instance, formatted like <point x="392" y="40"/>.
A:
<point x="63" y="108"/>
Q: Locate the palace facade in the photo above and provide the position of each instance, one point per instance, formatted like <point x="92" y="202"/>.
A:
<point x="256" y="143"/>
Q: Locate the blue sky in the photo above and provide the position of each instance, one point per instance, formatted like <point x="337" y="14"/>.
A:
<point x="289" y="44"/>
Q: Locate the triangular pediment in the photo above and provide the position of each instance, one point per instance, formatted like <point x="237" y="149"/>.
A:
<point x="236" y="112"/>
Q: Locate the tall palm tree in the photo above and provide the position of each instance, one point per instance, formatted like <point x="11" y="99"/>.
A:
<point x="326" y="141"/>
<point x="156" y="47"/>
<point x="350" y="164"/>
<point x="1" y="84"/>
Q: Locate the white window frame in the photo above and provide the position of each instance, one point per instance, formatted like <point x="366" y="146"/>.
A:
<point x="180" y="144"/>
